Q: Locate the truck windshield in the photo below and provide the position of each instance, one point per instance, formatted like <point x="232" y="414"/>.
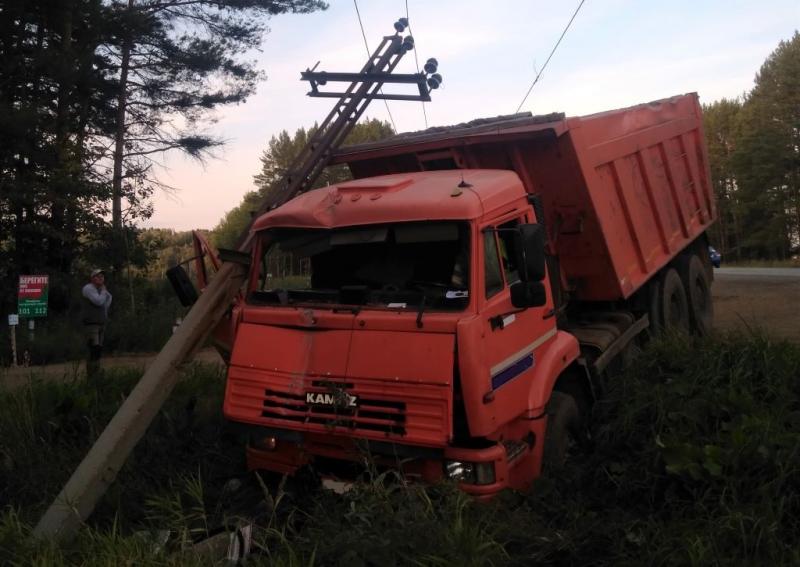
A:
<point x="405" y="265"/>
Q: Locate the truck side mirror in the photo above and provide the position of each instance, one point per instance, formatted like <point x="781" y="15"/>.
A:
<point x="528" y="294"/>
<point x="531" y="249"/>
<point x="183" y="286"/>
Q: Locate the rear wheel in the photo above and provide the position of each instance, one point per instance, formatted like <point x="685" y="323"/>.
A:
<point x="698" y="287"/>
<point x="563" y="429"/>
<point x="674" y="303"/>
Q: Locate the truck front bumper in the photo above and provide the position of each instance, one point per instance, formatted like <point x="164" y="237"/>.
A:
<point x="481" y="472"/>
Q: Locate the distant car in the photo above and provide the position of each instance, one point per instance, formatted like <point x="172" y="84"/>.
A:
<point x="716" y="257"/>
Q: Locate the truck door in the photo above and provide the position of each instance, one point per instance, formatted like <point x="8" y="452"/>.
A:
<point x="513" y="337"/>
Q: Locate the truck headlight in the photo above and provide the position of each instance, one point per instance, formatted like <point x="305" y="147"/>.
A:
<point x="458" y="471"/>
<point x="263" y="442"/>
<point x="471" y="473"/>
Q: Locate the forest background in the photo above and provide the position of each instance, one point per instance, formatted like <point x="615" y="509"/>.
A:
<point x="93" y="92"/>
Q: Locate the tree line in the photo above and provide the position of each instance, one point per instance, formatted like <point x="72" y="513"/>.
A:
<point x="754" y="152"/>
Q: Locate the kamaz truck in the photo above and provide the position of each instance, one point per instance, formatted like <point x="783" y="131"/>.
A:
<point x="454" y="310"/>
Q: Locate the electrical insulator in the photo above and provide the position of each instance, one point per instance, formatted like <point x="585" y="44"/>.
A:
<point x="401" y="25"/>
<point x="431" y="65"/>
<point x="408" y="43"/>
<point x="434" y="81"/>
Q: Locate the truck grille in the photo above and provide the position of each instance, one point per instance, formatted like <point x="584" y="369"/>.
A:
<point x="373" y="415"/>
<point x="415" y="413"/>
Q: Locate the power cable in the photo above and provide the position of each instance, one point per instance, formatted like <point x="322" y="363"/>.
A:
<point x="416" y="62"/>
<point x="539" y="74"/>
<point x="366" y="46"/>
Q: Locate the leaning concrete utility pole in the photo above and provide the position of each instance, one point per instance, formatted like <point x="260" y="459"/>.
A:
<point x="99" y="468"/>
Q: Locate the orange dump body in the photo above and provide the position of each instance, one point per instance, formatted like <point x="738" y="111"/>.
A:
<point x="622" y="191"/>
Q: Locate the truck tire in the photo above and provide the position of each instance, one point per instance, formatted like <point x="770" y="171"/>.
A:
<point x="698" y="288"/>
<point x="563" y="425"/>
<point x="674" y="303"/>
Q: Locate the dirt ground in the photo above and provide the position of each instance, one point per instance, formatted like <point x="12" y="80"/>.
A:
<point x="15" y="377"/>
<point x="768" y="302"/>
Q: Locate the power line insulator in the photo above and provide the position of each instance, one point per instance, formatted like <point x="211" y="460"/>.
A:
<point x="434" y="81"/>
<point x="400" y="25"/>
<point x="408" y="43"/>
<point x="431" y="65"/>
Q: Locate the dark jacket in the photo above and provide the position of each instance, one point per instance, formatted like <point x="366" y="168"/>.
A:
<point x="95" y="305"/>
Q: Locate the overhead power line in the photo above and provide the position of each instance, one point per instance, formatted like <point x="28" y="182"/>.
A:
<point x="416" y="62"/>
<point x="366" y="46"/>
<point x="539" y="74"/>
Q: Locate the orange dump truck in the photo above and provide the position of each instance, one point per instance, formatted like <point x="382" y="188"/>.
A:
<point x="455" y="309"/>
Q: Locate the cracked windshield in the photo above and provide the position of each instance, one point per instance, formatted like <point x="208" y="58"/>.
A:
<point x="392" y="266"/>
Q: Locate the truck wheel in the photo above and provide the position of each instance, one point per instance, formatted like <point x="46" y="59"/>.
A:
<point x="701" y="307"/>
<point x="563" y="425"/>
<point x="674" y="304"/>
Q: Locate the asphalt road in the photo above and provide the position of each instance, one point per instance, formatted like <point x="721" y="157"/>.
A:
<point x="758" y="272"/>
<point x="758" y="298"/>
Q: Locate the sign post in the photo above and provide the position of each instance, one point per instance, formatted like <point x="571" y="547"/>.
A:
<point x="13" y="321"/>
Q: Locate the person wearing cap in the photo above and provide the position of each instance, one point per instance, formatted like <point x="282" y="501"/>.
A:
<point x="96" y="301"/>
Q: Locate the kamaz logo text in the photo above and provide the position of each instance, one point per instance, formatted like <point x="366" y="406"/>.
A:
<point x="338" y="399"/>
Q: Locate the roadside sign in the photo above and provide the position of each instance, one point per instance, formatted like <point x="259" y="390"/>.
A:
<point x="32" y="296"/>
<point x="13" y="319"/>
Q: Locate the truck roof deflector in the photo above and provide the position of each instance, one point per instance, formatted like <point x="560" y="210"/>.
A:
<point x="383" y="185"/>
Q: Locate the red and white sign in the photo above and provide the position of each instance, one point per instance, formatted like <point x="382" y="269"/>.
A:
<point x="32" y="287"/>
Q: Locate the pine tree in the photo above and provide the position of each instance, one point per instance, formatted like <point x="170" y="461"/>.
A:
<point x="767" y="157"/>
<point x="720" y="124"/>
<point x="177" y="62"/>
<point x="53" y="102"/>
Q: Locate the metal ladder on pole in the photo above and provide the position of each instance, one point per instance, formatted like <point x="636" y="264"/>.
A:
<point x="365" y="86"/>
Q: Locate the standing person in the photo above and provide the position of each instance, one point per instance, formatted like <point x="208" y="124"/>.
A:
<point x="96" y="301"/>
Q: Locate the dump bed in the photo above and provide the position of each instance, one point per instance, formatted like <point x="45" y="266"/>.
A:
<point x="623" y="191"/>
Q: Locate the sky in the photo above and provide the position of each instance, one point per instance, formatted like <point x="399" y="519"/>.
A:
<point x="617" y="53"/>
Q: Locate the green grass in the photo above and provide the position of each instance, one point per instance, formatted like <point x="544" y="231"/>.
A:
<point x="47" y="427"/>
<point x="696" y="462"/>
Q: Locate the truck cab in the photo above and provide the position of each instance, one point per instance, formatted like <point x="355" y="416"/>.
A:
<point x="405" y="315"/>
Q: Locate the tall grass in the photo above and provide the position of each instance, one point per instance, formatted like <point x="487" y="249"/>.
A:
<point x="696" y="462"/>
<point x="47" y="427"/>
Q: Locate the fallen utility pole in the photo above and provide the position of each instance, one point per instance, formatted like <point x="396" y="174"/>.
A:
<point x="99" y="468"/>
